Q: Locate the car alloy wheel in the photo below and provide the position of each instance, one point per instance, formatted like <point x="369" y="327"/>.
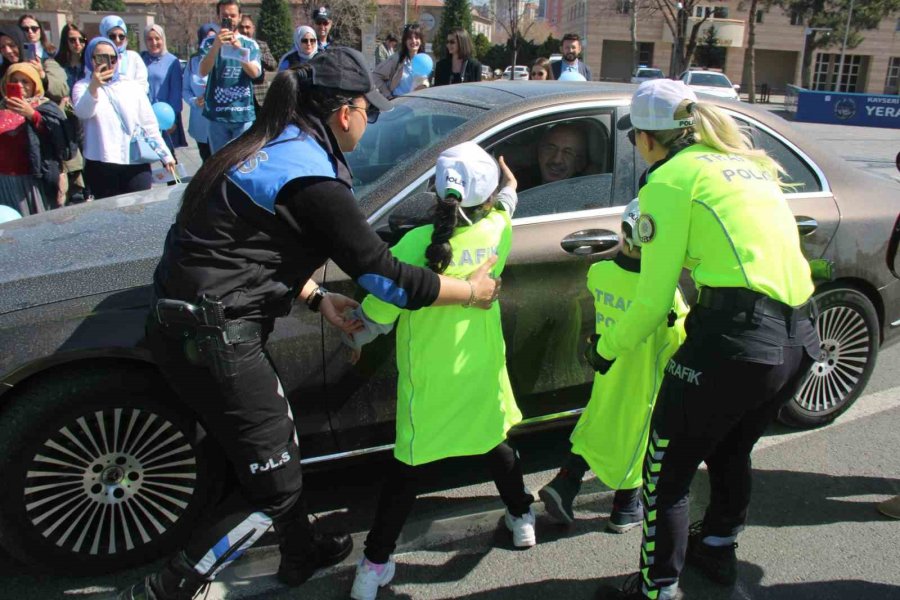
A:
<point x="848" y="329"/>
<point x="110" y="481"/>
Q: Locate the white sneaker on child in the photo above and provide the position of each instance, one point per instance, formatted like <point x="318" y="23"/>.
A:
<point x="522" y="529"/>
<point x="370" y="577"/>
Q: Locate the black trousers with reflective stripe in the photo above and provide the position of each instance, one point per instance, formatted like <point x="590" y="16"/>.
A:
<point x="243" y="407"/>
<point x="720" y="392"/>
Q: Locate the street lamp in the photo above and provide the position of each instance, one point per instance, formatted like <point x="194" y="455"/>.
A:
<point x="840" y="73"/>
<point x="806" y="32"/>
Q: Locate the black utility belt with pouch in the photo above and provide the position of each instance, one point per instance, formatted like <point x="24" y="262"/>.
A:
<point x="743" y="300"/>
<point x="209" y="337"/>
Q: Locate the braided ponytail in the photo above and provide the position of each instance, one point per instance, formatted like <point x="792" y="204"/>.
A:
<point x="439" y="253"/>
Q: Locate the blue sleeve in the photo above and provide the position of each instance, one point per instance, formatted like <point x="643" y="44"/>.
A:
<point x="187" y="90"/>
<point x="173" y="85"/>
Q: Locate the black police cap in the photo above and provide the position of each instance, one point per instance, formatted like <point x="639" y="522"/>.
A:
<point x="321" y="14"/>
<point x="345" y="69"/>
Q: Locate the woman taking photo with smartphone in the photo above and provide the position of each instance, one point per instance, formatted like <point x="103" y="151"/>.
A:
<point x="117" y="117"/>
<point x="32" y="142"/>
<point x="15" y="49"/>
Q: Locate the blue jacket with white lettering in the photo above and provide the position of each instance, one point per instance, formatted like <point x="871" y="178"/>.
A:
<point x="271" y="222"/>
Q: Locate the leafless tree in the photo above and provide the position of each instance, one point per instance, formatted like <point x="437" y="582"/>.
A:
<point x="677" y="14"/>
<point x="512" y="22"/>
<point x="180" y="19"/>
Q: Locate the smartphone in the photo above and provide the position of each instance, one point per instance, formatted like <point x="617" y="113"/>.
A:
<point x="14" y="90"/>
<point x="104" y="60"/>
<point x="227" y="23"/>
<point x="30" y="51"/>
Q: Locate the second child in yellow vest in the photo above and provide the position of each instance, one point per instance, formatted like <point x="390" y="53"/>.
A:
<point x="611" y="435"/>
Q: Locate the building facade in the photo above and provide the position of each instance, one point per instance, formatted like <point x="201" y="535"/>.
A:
<point x="872" y="67"/>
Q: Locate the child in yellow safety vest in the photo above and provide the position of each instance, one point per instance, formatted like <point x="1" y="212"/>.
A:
<point x="611" y="435"/>
<point x="454" y="397"/>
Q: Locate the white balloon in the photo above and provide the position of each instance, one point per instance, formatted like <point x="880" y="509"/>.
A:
<point x="8" y="214"/>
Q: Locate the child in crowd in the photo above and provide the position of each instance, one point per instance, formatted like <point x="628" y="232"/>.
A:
<point x="454" y="397"/>
<point x="611" y="436"/>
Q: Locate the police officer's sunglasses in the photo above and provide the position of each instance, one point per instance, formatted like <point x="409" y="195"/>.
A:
<point x="372" y="113"/>
<point x="632" y="135"/>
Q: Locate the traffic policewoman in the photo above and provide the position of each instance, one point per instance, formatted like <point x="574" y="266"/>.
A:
<point x="260" y="216"/>
<point x="714" y="205"/>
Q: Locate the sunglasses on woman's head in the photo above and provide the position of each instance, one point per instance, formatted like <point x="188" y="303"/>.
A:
<point x="117" y="37"/>
<point x="31" y="28"/>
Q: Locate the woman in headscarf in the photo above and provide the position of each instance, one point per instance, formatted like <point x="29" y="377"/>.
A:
<point x="193" y="90"/>
<point x="164" y="74"/>
<point x="130" y="64"/>
<point x="112" y="109"/>
<point x="305" y="47"/>
<point x="12" y="49"/>
<point x="33" y="143"/>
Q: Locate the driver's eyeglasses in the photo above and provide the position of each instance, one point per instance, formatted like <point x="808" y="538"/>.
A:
<point x="117" y="37"/>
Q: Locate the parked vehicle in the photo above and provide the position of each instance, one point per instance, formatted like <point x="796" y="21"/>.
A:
<point x="712" y="83"/>
<point x="642" y="74"/>
<point x="103" y="467"/>
<point x="521" y="72"/>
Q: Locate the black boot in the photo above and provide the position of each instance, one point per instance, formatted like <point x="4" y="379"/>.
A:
<point x="718" y="563"/>
<point x="176" y="581"/>
<point x="304" y="551"/>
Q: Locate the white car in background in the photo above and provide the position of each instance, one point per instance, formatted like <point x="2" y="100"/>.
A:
<point x="712" y="83"/>
<point x="642" y="74"/>
<point x="521" y="72"/>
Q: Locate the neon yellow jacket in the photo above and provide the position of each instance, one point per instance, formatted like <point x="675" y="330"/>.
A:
<point x="612" y="432"/>
<point x="454" y="397"/>
<point x="725" y="219"/>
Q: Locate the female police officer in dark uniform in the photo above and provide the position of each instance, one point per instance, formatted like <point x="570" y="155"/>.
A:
<point x="713" y="205"/>
<point x="258" y="219"/>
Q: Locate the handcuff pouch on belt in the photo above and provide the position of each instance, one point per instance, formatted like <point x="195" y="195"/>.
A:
<point x="208" y="337"/>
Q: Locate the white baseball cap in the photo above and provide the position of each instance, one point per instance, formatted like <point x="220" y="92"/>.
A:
<point x="654" y="104"/>
<point x="630" y="218"/>
<point x="468" y="171"/>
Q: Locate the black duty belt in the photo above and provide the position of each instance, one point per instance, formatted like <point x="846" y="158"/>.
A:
<point x="742" y="300"/>
<point x="180" y="318"/>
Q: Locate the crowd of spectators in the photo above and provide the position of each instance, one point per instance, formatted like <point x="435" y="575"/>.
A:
<point x="80" y="121"/>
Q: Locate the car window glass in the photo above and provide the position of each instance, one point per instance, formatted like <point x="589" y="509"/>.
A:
<point x="799" y="175"/>
<point x="710" y="79"/>
<point x="556" y="171"/>
<point x="414" y="125"/>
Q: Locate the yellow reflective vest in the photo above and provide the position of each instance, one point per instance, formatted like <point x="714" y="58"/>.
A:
<point x="612" y="432"/>
<point x="454" y="397"/>
<point x="721" y="216"/>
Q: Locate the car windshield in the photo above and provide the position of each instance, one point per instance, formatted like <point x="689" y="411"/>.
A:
<point x="401" y="134"/>
<point x="710" y="79"/>
<point x="650" y="73"/>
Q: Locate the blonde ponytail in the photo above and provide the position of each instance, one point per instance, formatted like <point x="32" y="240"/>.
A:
<point x="716" y="129"/>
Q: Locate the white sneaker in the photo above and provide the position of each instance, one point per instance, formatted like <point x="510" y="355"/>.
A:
<point x="522" y="529"/>
<point x="368" y="580"/>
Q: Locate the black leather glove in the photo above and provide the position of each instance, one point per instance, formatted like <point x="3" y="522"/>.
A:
<point x="597" y="362"/>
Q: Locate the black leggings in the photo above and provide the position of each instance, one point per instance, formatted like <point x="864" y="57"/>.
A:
<point x="401" y="487"/>
<point x="711" y="408"/>
<point x="110" y="179"/>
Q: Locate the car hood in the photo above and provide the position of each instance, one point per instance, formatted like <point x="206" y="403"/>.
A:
<point x="715" y="91"/>
<point x="102" y="246"/>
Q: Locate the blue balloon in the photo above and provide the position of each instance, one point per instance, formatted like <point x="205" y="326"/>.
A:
<point x="165" y="115"/>
<point x="571" y="76"/>
<point x="422" y="65"/>
<point x="8" y="214"/>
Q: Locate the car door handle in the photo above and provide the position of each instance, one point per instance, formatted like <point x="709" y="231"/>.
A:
<point x="806" y="225"/>
<point x="589" y="241"/>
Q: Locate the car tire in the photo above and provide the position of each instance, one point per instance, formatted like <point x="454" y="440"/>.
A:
<point x="98" y="474"/>
<point x="849" y="329"/>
